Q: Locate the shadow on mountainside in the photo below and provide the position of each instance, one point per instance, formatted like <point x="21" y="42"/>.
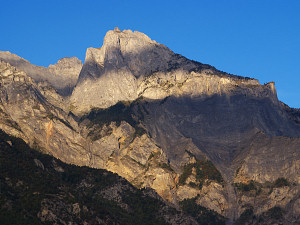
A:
<point x="228" y="130"/>
<point x="152" y="59"/>
<point x="220" y="126"/>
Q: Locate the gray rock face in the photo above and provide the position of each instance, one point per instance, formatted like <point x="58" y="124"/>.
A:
<point x="29" y="115"/>
<point x="218" y="125"/>
<point x="67" y="71"/>
<point x="120" y="67"/>
<point x="62" y="76"/>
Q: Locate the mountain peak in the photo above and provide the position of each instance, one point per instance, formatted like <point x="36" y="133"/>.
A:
<point x="126" y="37"/>
<point x="62" y="76"/>
<point x="129" y="65"/>
<point x="68" y="61"/>
<point x="134" y="52"/>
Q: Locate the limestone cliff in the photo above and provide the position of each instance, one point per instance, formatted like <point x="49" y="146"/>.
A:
<point x="67" y="71"/>
<point x="62" y="76"/>
<point x="128" y="61"/>
<point x="32" y="117"/>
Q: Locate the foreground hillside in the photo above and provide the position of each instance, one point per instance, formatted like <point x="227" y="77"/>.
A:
<point x="39" y="189"/>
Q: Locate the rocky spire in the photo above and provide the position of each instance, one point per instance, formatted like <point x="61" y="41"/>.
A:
<point x="133" y="51"/>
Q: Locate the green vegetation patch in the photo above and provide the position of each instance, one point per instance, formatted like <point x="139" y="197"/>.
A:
<point x="246" y="187"/>
<point x="205" y="170"/>
<point x="187" y="171"/>
<point x="122" y="111"/>
<point x="203" y="215"/>
<point x="246" y="217"/>
<point x="278" y="183"/>
<point x="257" y="187"/>
<point x="251" y="186"/>
<point x="281" y="182"/>
<point x="274" y="215"/>
<point x="145" y="209"/>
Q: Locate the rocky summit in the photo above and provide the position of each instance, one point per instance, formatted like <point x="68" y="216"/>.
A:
<point x="213" y="146"/>
<point x="62" y="76"/>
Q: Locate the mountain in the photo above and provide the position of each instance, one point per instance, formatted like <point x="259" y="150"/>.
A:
<point x="62" y="76"/>
<point x="196" y="135"/>
<point x="121" y="66"/>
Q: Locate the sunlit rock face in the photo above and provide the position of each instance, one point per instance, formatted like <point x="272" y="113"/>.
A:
<point x="28" y="111"/>
<point x="120" y="66"/>
<point x="62" y="76"/>
<point x="67" y="71"/>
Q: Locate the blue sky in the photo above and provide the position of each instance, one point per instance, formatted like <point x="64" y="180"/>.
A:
<point x="255" y="38"/>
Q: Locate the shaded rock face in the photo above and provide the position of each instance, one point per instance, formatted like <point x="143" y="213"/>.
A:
<point x="67" y="70"/>
<point x="177" y="117"/>
<point x="220" y="126"/>
<point x="271" y="157"/>
<point x="62" y="76"/>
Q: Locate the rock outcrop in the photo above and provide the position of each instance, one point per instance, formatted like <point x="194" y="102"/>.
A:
<point x="62" y="76"/>
<point x="121" y="68"/>
<point x="39" y="189"/>
<point x="67" y="71"/>
<point x="34" y="118"/>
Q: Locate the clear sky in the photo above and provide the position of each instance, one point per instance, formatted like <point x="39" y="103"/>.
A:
<point x="254" y="38"/>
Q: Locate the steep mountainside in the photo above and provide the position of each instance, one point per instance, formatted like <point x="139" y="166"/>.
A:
<point x="39" y="189"/>
<point x="192" y="133"/>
